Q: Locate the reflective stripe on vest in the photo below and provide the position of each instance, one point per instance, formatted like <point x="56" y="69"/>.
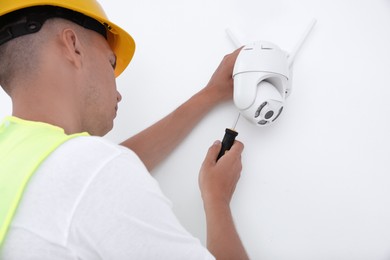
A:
<point x="24" y="145"/>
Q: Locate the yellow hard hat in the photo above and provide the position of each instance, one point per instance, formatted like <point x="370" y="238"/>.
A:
<point x="119" y="40"/>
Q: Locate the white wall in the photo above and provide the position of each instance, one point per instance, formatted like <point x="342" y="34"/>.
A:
<point x="315" y="185"/>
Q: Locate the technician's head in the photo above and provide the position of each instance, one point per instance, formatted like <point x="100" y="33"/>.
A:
<point x="72" y="41"/>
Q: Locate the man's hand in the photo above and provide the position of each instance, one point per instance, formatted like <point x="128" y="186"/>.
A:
<point x="217" y="181"/>
<point x="220" y="85"/>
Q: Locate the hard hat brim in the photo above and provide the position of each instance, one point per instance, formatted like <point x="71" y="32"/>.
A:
<point x="122" y="44"/>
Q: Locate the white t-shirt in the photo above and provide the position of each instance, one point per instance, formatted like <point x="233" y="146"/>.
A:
<point x="92" y="199"/>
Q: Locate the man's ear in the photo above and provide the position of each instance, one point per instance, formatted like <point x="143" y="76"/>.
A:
<point x="72" y="47"/>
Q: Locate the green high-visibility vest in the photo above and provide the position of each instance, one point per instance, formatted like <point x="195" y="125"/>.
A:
<point x="24" y="145"/>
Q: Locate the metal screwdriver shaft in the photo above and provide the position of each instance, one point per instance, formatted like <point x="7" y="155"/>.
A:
<point x="228" y="139"/>
<point x="236" y="121"/>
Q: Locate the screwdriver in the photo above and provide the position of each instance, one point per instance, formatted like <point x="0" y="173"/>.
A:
<point x="228" y="139"/>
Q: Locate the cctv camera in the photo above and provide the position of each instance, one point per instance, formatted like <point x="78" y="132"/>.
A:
<point x="262" y="78"/>
<point x="261" y="82"/>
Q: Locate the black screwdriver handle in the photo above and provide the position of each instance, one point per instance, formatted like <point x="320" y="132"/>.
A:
<point x="227" y="141"/>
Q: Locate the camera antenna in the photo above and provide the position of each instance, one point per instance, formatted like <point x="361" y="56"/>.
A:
<point x="298" y="46"/>
<point x="233" y="38"/>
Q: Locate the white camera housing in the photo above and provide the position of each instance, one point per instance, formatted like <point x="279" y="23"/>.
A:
<point x="262" y="82"/>
<point x="262" y="78"/>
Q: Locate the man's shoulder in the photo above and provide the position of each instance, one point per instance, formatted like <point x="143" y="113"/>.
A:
<point x="95" y="142"/>
<point x="92" y="148"/>
<point x="90" y="154"/>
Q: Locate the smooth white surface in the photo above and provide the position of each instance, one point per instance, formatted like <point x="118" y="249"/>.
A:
<point x="315" y="185"/>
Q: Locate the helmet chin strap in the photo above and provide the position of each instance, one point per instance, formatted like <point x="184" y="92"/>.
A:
<point x="31" y="19"/>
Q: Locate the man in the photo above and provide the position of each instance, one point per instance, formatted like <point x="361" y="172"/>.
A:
<point x="66" y="192"/>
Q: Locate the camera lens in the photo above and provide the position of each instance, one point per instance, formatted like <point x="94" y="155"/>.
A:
<point x="269" y="114"/>
<point x="262" y="122"/>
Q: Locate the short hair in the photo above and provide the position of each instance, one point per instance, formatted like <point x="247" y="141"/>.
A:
<point x="22" y="39"/>
<point x="18" y="58"/>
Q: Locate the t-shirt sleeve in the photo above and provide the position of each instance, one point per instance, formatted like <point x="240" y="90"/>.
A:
<point x="123" y="214"/>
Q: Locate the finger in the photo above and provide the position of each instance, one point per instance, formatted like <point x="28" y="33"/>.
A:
<point x="237" y="51"/>
<point x="237" y="147"/>
<point x="212" y="153"/>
